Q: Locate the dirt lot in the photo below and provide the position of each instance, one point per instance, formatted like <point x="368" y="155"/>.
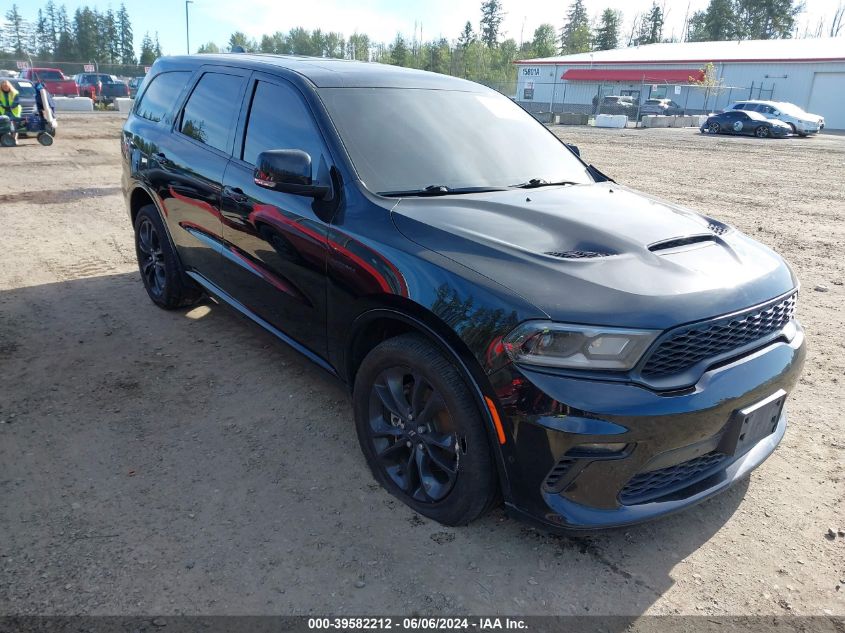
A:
<point x="155" y="462"/>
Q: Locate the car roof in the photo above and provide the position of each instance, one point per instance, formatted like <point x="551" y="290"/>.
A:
<point x="325" y="72"/>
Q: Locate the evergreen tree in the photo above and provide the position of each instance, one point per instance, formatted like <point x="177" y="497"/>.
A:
<point x="467" y="36"/>
<point x="66" y="48"/>
<point x="85" y="34"/>
<point x="51" y="16"/>
<point x="607" y="33"/>
<point x="544" y="43"/>
<point x="42" y="46"/>
<point x="651" y="26"/>
<point x="17" y="32"/>
<point x="399" y="53"/>
<point x="491" y="21"/>
<point x="575" y="36"/>
<point x="148" y="54"/>
<point x="300" y="42"/>
<point x="766" y="19"/>
<point x="157" y="47"/>
<point x="126" y="44"/>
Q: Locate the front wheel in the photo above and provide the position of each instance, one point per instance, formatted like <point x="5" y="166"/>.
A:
<point x="714" y="128"/>
<point x="761" y="132"/>
<point x="421" y="432"/>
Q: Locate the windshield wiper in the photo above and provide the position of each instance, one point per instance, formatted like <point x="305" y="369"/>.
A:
<point x="539" y="182"/>
<point x="439" y="190"/>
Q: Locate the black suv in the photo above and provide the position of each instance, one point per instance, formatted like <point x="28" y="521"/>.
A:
<point x="512" y="324"/>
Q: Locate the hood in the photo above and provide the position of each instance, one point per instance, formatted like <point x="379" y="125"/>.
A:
<point x="599" y="254"/>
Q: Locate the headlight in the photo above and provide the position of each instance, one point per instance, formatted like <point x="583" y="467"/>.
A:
<point x="577" y="346"/>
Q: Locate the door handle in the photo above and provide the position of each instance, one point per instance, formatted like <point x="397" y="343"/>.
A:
<point x="235" y="194"/>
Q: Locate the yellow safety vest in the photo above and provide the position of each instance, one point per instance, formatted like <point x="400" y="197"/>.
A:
<point x="9" y="104"/>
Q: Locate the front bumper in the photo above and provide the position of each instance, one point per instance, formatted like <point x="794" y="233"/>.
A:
<point x="674" y="436"/>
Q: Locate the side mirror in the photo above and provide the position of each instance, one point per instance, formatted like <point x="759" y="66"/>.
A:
<point x="287" y="170"/>
<point x="574" y="149"/>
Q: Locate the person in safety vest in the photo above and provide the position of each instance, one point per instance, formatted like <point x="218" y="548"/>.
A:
<point x="10" y="104"/>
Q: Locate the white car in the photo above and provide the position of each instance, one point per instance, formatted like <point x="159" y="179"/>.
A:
<point x="801" y="122"/>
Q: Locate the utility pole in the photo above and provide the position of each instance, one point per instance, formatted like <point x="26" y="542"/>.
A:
<point x="187" y="26"/>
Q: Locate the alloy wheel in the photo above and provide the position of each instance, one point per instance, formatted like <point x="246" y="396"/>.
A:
<point x="762" y="132"/>
<point x="413" y="434"/>
<point x="151" y="257"/>
<point x="713" y="128"/>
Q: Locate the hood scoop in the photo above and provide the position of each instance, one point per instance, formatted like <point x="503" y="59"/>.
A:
<point x="577" y="254"/>
<point x="718" y="229"/>
<point x="679" y="242"/>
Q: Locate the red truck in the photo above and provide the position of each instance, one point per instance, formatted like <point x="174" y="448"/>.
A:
<point x="53" y="79"/>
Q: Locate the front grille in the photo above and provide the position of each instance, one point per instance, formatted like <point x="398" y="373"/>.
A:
<point x="689" y="345"/>
<point x="657" y="483"/>
<point x="577" y="254"/>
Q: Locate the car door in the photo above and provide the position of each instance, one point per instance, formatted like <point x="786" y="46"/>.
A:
<point x="188" y="167"/>
<point x="275" y="242"/>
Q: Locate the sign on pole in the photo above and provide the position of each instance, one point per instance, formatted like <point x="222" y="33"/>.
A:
<point x="22" y="65"/>
<point x="677" y="90"/>
<point x="88" y="68"/>
<point x="146" y="69"/>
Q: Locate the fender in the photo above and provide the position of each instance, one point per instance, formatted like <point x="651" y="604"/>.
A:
<point x="480" y="390"/>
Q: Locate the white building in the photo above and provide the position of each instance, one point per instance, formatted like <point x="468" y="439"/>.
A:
<point x="809" y="73"/>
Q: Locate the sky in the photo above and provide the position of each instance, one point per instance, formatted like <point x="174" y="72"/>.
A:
<point x="215" y="20"/>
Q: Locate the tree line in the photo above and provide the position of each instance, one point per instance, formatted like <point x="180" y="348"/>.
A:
<point x="481" y="52"/>
<point x="87" y="35"/>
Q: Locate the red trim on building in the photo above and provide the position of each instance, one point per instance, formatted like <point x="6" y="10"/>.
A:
<point x="531" y="62"/>
<point x="672" y="76"/>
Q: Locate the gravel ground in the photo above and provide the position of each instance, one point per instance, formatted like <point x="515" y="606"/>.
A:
<point x="155" y="462"/>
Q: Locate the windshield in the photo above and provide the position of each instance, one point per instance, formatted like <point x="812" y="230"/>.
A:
<point x="403" y="139"/>
<point x="47" y="75"/>
<point x="25" y="89"/>
<point x="653" y="102"/>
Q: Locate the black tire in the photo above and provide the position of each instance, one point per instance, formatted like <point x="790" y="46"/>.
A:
<point x="162" y="274"/>
<point x="407" y="455"/>
<point x="714" y="128"/>
<point x="762" y="132"/>
<point x="793" y="128"/>
<point x="8" y="140"/>
<point x="45" y="139"/>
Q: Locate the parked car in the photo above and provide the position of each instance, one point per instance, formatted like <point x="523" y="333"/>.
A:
<point x="134" y="84"/>
<point x="661" y="106"/>
<point x="53" y="79"/>
<point x="512" y="324"/>
<point x="800" y="122"/>
<point x="749" y="123"/>
<point x="616" y="104"/>
<point x="101" y="87"/>
<point x="26" y="94"/>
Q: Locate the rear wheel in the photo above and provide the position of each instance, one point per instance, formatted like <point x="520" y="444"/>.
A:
<point x="8" y="140"/>
<point x="422" y="433"/>
<point x="45" y="139"/>
<point x="761" y="132"/>
<point x="714" y="128"/>
<point x="165" y="282"/>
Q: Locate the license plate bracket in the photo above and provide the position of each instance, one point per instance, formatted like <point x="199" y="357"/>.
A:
<point x="753" y="423"/>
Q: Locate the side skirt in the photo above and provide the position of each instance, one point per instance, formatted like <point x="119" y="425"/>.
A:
<point x="221" y="294"/>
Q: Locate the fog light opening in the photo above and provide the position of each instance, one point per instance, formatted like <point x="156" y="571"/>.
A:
<point x="599" y="448"/>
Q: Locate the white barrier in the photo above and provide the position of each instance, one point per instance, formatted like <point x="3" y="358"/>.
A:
<point x="660" y="120"/>
<point x="611" y="120"/>
<point x="73" y="104"/>
<point x="123" y="104"/>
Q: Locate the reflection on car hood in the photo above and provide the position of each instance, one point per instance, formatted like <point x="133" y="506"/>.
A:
<point x="599" y="253"/>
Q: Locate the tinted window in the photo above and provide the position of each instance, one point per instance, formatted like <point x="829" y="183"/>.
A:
<point x="47" y="75"/>
<point x="157" y="102"/>
<point x="209" y="115"/>
<point x="739" y="106"/>
<point x="279" y="119"/>
<point x="406" y="139"/>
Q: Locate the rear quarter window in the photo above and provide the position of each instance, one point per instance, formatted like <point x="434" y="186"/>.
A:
<point x="211" y="111"/>
<point x="159" y="99"/>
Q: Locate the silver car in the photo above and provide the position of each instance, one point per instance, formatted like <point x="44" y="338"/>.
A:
<point x="802" y="123"/>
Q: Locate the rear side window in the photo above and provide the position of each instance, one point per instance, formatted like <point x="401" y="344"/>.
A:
<point x="739" y="106"/>
<point x="157" y="102"/>
<point x="210" y="114"/>
<point x="278" y="119"/>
